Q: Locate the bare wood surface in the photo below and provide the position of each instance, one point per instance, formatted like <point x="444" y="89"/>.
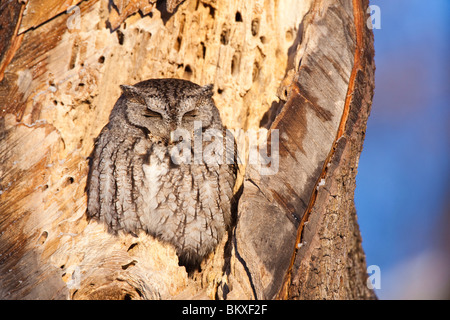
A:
<point x="304" y="68"/>
<point x="38" y="12"/>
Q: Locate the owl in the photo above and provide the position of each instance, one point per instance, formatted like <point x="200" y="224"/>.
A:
<point x="162" y="165"/>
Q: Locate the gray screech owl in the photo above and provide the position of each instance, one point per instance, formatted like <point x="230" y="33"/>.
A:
<point x="135" y="184"/>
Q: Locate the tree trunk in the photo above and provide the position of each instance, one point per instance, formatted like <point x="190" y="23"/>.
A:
<point x="302" y="69"/>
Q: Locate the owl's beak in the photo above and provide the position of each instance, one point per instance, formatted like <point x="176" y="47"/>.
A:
<point x="172" y="137"/>
<point x="179" y="135"/>
<point x="175" y="137"/>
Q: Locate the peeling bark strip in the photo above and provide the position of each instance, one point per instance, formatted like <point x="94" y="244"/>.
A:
<point x="335" y="196"/>
<point x="61" y="79"/>
<point x="358" y="14"/>
<point x="275" y="280"/>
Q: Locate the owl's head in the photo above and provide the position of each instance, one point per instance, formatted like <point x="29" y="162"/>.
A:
<point x="161" y="106"/>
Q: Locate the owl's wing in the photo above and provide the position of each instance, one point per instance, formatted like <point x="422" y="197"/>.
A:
<point x="115" y="178"/>
<point x="100" y="184"/>
<point x="93" y="180"/>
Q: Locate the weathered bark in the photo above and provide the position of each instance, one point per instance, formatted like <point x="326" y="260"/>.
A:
<point x="304" y="68"/>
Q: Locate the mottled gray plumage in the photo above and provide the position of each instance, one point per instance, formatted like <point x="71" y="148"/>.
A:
<point x="133" y="183"/>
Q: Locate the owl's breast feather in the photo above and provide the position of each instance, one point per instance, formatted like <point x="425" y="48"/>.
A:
<point x="153" y="173"/>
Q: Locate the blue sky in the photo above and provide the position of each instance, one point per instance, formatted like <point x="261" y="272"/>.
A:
<point x="403" y="174"/>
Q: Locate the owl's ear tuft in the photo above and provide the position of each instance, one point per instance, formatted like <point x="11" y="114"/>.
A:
<point x="132" y="93"/>
<point x="207" y="90"/>
<point x="128" y="90"/>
